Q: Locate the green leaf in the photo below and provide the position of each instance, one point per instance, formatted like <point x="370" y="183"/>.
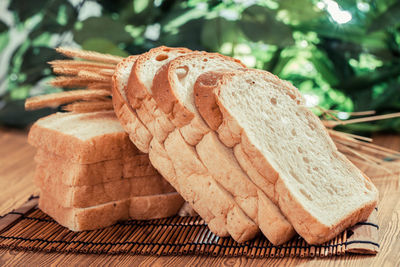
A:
<point x="4" y="39"/>
<point x="3" y="27"/>
<point x="26" y="9"/>
<point x="388" y="19"/>
<point x="35" y="62"/>
<point x="186" y="35"/>
<point x="300" y="11"/>
<point x="217" y="31"/>
<point x="103" y="46"/>
<point x="141" y="5"/>
<point x="101" y="27"/>
<point x="260" y="24"/>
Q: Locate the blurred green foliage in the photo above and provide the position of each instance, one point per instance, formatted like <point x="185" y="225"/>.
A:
<point x="343" y="55"/>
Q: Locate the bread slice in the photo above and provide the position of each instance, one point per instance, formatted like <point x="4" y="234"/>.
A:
<point x="90" y="195"/>
<point x="179" y="162"/>
<point x="139" y="94"/>
<point x="70" y="173"/>
<point x="127" y="116"/>
<point x="83" y="138"/>
<point x="316" y="187"/>
<point x="107" y="214"/>
<point x="176" y="95"/>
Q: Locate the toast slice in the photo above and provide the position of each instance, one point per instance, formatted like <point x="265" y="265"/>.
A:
<point x="70" y="173"/>
<point x="139" y="94"/>
<point x="127" y="116"/>
<point x="170" y="154"/>
<point x="83" y="138"/>
<point x="92" y="195"/>
<point x="176" y="98"/>
<point x="107" y="214"/>
<point x="264" y="118"/>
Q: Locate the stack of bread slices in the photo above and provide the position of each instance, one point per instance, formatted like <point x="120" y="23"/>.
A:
<point x="91" y="175"/>
<point x="238" y="144"/>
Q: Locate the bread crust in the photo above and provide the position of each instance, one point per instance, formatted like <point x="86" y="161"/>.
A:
<point x="76" y="174"/>
<point x="137" y="91"/>
<point x="164" y="94"/>
<point x="92" y="195"/>
<point x="231" y="134"/>
<point x="140" y="99"/>
<point x="96" y="217"/>
<point x="138" y="133"/>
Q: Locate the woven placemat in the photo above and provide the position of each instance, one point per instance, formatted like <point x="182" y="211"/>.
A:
<point x="28" y="228"/>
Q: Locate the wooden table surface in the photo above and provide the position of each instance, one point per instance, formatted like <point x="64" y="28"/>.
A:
<point x="16" y="172"/>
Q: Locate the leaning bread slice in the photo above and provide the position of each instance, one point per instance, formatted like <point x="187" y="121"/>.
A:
<point x="183" y="169"/>
<point x="91" y="195"/>
<point x="71" y="173"/>
<point x="139" y="89"/>
<point x="107" y="214"/>
<point x="176" y="98"/>
<point x="83" y="138"/>
<point x="317" y="188"/>
<point x="127" y="116"/>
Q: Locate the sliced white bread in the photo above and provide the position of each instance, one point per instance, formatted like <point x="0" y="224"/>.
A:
<point x="82" y="137"/>
<point x="180" y="161"/>
<point x="90" y="195"/>
<point x="316" y="187"/>
<point x="104" y="215"/>
<point x="176" y="99"/>
<point x="139" y="95"/>
<point x="74" y="174"/>
<point x="127" y="116"/>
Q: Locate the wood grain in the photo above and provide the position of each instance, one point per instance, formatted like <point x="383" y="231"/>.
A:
<point x="16" y="172"/>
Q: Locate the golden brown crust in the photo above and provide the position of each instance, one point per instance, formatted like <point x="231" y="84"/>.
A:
<point x="205" y="99"/>
<point x="138" y="133"/>
<point x="164" y="93"/>
<point x="92" y="195"/>
<point x="155" y="207"/>
<point x="76" y="174"/>
<point x="136" y="90"/>
<point x="96" y="217"/>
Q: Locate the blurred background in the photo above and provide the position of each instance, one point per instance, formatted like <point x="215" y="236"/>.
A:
<point x="342" y="55"/>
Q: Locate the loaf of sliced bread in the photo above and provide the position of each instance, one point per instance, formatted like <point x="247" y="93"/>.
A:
<point x="187" y="173"/>
<point x="91" y="195"/>
<point x="70" y="173"/>
<point x="82" y="137"/>
<point x="285" y="144"/>
<point x="217" y="158"/>
<point x="107" y="214"/>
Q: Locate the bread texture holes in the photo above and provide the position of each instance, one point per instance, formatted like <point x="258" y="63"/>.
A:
<point x="162" y="57"/>
<point x="304" y="193"/>
<point x="294" y="132"/>
<point x="273" y="101"/>
<point x="182" y="72"/>
<point x="306" y="160"/>
<point x="295" y="176"/>
<point x="300" y="150"/>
